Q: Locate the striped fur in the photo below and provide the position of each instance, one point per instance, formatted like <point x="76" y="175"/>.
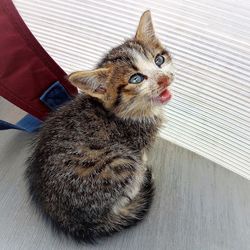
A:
<point x="87" y="173"/>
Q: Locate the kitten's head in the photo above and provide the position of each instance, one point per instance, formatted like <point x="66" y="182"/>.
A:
<point x="132" y="79"/>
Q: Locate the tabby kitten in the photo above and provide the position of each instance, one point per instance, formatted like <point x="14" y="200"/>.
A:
<point x="88" y="173"/>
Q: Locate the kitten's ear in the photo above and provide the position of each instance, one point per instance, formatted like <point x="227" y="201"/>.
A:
<point x="92" y="82"/>
<point x="145" y="31"/>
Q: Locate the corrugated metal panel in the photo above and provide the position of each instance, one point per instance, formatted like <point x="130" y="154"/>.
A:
<point x="210" y="43"/>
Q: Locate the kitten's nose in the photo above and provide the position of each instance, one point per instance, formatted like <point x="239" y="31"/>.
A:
<point x="163" y="81"/>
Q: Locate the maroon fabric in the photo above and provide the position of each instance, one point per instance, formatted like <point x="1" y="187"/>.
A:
<point x="26" y="70"/>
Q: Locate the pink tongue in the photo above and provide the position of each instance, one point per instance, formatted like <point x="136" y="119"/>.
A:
<point x="165" y="96"/>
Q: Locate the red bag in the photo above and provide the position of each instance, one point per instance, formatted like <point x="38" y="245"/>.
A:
<point x="26" y="70"/>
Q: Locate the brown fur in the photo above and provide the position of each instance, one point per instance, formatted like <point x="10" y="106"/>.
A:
<point x="87" y="173"/>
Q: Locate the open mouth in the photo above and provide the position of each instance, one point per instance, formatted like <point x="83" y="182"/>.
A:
<point x="163" y="97"/>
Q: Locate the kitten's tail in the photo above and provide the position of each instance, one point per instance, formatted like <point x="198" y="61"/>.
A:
<point x="134" y="212"/>
<point x="127" y="216"/>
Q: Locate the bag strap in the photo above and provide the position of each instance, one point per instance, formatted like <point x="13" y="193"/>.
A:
<point x="28" y="123"/>
<point x="53" y="97"/>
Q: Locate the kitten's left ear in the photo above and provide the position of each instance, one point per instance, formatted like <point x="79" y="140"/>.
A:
<point x="92" y="82"/>
<point x="145" y="31"/>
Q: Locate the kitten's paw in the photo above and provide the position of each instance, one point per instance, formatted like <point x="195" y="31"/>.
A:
<point x="153" y="176"/>
<point x="148" y="167"/>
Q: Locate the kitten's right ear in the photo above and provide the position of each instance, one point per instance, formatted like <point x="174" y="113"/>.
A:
<point x="92" y="82"/>
<point x="145" y="31"/>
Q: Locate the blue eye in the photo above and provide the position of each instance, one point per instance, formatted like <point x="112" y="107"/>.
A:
<point x="159" y="60"/>
<point x="136" y="78"/>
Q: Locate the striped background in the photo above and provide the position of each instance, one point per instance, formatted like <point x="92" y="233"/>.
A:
<point x="210" y="44"/>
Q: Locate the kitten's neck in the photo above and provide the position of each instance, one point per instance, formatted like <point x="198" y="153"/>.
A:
<point x="148" y="115"/>
<point x="153" y="119"/>
<point x="151" y="115"/>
